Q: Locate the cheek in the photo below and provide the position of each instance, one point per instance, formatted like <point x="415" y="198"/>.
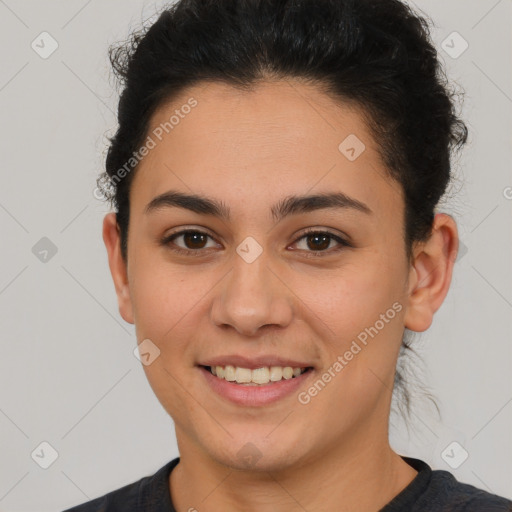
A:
<point x="160" y="291"/>
<point x="164" y="304"/>
<point x="352" y="297"/>
<point x="361" y="306"/>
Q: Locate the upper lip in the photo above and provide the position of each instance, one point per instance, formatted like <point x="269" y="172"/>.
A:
<point x="254" y="362"/>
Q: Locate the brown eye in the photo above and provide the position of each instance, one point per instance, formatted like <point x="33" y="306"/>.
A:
<point x="318" y="242"/>
<point x="194" y="239"/>
<point x="193" y="242"/>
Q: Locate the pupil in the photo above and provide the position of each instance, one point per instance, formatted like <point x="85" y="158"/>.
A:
<point x="316" y="237"/>
<point x="193" y="237"/>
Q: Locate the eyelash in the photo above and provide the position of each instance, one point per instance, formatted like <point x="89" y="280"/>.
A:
<point x="311" y="254"/>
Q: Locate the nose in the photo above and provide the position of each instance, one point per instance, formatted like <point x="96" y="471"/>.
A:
<point x="252" y="297"/>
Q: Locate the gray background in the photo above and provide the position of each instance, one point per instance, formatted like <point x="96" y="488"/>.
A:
<point x="68" y="375"/>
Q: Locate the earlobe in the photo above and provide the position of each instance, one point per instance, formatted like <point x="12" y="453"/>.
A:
<point x="431" y="273"/>
<point x="117" y="265"/>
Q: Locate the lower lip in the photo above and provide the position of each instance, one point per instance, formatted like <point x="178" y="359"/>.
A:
<point x="254" y="396"/>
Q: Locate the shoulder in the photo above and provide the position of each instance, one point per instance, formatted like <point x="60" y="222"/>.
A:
<point x="124" y="497"/>
<point x="132" y="496"/>
<point x="446" y="493"/>
<point x="438" y="490"/>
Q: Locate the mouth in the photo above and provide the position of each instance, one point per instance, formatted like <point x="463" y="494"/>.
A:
<point x="257" y="376"/>
<point x="257" y="386"/>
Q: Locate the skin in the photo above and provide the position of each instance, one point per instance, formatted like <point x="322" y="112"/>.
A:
<point x="250" y="150"/>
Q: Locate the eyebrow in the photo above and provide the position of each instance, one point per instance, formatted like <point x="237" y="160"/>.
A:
<point x="290" y="205"/>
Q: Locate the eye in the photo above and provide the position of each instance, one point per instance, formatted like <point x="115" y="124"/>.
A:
<point x="193" y="239"/>
<point x="317" y="242"/>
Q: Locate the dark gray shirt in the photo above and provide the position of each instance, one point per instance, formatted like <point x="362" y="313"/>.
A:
<point x="430" y="491"/>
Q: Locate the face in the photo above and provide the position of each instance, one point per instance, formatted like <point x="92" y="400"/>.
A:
<point x="277" y="280"/>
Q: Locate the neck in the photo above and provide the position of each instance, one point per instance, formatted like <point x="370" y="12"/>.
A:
<point x="343" y="477"/>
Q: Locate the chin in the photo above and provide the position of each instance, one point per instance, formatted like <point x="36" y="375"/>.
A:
<point x="258" y="452"/>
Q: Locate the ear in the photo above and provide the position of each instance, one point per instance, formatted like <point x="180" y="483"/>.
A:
<point x="112" y="239"/>
<point x="431" y="273"/>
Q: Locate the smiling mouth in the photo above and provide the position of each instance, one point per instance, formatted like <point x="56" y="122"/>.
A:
<point x="258" y="376"/>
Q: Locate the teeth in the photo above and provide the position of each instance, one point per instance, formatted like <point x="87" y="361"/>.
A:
<point x="243" y="375"/>
<point x="257" y="376"/>
<point x="260" y="375"/>
<point x="276" y="373"/>
<point x="229" y="373"/>
<point x="287" y="372"/>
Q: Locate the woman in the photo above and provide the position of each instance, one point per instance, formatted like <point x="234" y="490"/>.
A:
<point x="275" y="176"/>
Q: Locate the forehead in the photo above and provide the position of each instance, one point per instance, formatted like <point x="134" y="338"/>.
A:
<point x="287" y="114"/>
<point x="280" y="138"/>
